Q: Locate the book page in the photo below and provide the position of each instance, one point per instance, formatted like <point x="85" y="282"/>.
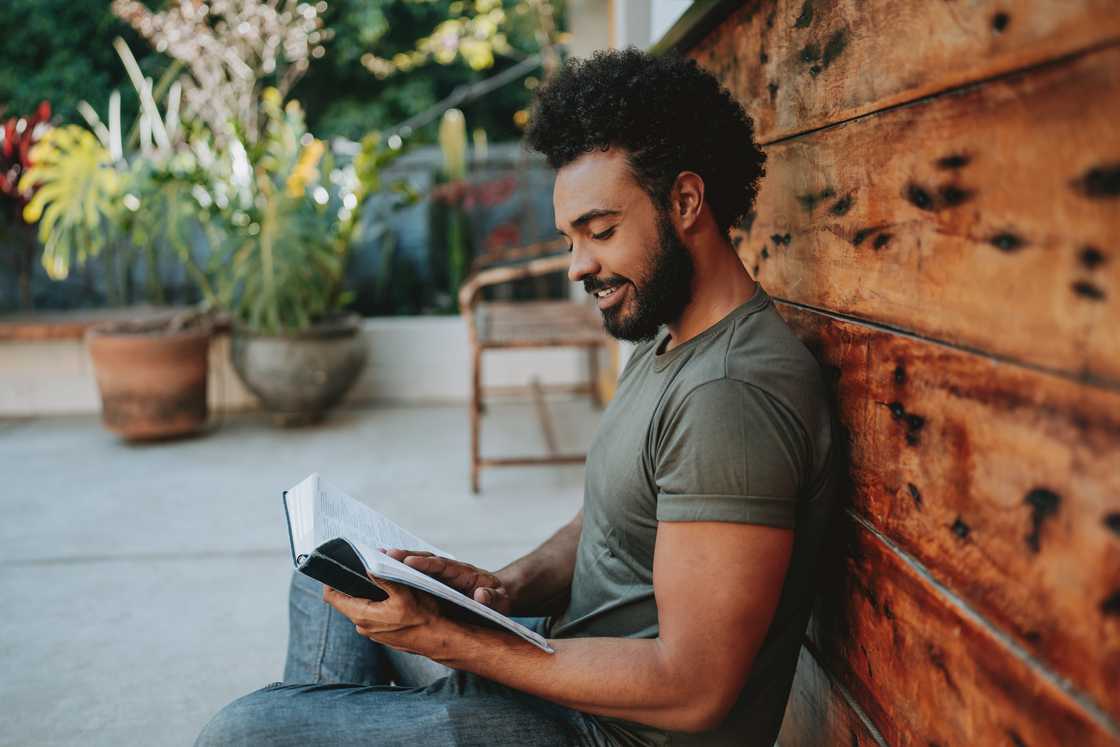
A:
<point x="300" y="504"/>
<point x="339" y="515"/>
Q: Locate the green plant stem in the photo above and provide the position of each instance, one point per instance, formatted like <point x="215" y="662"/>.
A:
<point x="195" y="271"/>
<point x="458" y="258"/>
<point x="268" y="270"/>
<point x="117" y="276"/>
<point x="155" y="287"/>
<point x="222" y="288"/>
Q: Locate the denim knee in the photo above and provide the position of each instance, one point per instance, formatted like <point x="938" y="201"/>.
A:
<point x="249" y="720"/>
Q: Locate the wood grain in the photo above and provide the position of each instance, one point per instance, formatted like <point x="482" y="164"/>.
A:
<point x="927" y="674"/>
<point x="985" y="217"/>
<point x="1002" y="481"/>
<point x="797" y="65"/>
<point x="818" y="714"/>
<point x="989" y="219"/>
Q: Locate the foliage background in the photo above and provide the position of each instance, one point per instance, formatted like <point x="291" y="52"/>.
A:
<point x="62" y="50"/>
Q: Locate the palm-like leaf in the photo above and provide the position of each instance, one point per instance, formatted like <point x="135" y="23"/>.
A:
<point x="77" y="196"/>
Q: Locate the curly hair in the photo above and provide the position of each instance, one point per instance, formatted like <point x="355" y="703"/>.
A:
<point x="666" y="113"/>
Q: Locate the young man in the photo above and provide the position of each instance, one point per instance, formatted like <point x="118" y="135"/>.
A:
<point x="677" y="598"/>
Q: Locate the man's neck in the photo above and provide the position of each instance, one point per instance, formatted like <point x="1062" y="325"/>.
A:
<point x="720" y="285"/>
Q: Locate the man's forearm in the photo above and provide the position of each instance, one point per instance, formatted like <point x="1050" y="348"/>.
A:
<point x="631" y="679"/>
<point x="540" y="582"/>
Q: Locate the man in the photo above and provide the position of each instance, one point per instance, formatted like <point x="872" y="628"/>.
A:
<point x="677" y="598"/>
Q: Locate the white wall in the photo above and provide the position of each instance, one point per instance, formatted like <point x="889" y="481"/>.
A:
<point x="589" y="23"/>
<point x="665" y="14"/>
<point x="411" y="359"/>
<point x="427" y="358"/>
<point x="640" y="23"/>
<point x="47" y="378"/>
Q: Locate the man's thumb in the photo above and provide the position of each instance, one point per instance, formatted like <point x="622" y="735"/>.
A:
<point x="484" y="596"/>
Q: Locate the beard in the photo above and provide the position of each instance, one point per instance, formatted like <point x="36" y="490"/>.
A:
<point x="662" y="294"/>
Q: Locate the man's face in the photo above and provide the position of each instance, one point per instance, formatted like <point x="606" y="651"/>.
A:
<point x="624" y="249"/>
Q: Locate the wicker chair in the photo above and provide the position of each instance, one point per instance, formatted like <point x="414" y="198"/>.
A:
<point x="504" y="325"/>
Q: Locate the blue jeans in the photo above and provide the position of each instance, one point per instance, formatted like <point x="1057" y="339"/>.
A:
<point x="340" y="688"/>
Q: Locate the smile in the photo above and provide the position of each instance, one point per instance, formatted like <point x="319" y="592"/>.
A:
<point x="608" y="297"/>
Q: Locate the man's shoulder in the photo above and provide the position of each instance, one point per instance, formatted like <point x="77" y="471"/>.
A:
<point x="763" y="351"/>
<point x="759" y="351"/>
<point x="761" y="356"/>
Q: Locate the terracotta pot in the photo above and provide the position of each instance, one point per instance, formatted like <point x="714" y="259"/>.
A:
<point x="298" y="377"/>
<point x="152" y="383"/>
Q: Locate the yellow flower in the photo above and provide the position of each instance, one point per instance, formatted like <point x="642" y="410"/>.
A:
<point x="453" y="143"/>
<point x="478" y="54"/>
<point x="306" y="170"/>
<point x="271" y="96"/>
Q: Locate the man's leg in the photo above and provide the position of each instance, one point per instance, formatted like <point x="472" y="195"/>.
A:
<point x="335" y="693"/>
<point x="323" y="647"/>
<point x="460" y="709"/>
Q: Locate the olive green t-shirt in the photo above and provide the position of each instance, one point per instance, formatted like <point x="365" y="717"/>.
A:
<point x="732" y="425"/>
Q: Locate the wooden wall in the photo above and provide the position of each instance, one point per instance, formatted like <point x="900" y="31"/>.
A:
<point x="940" y="222"/>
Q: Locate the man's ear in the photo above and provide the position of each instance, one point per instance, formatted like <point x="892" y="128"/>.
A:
<point x="687" y="200"/>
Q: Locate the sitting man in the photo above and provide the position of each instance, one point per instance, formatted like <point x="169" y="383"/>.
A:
<point x="676" y="600"/>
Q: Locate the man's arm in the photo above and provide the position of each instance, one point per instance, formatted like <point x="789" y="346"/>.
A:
<point x="710" y="629"/>
<point x="540" y="583"/>
<point x="717" y="586"/>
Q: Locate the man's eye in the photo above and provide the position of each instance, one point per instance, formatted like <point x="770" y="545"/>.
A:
<point x="604" y="235"/>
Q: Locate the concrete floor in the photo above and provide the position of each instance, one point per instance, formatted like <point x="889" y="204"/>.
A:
<point x="144" y="587"/>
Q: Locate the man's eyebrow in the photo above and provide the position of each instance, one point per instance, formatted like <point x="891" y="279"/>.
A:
<point x="589" y="216"/>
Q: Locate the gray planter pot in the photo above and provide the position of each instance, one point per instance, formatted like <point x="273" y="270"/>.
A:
<point x="299" y="377"/>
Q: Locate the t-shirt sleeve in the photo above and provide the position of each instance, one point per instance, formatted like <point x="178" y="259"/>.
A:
<point x="731" y="452"/>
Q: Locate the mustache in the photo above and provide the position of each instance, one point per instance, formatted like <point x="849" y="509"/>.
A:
<point x="594" y="285"/>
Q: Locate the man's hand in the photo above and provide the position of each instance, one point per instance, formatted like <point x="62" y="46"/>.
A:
<point x="407" y="620"/>
<point x="484" y="587"/>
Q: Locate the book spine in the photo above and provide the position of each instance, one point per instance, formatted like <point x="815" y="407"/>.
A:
<point x="288" y="520"/>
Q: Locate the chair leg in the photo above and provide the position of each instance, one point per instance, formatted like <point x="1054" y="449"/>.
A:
<point x="476" y="416"/>
<point x="593" y="374"/>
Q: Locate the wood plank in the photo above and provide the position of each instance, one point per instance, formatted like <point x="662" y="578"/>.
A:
<point x="988" y="219"/>
<point x="818" y="713"/>
<point x="538" y="324"/>
<point x="927" y="674"/>
<point x="796" y="65"/>
<point x="1001" y="480"/>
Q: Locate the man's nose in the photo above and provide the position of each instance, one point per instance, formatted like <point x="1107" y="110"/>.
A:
<point x="583" y="264"/>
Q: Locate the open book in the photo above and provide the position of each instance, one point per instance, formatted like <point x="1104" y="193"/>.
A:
<point x="337" y="540"/>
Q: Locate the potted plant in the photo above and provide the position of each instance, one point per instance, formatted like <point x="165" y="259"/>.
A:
<point x="151" y="373"/>
<point x="92" y="197"/>
<point x="289" y="227"/>
<point x="282" y="212"/>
